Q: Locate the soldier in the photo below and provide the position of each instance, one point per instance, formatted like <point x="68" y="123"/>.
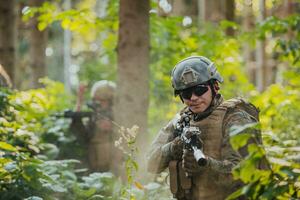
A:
<point x="97" y="135"/>
<point x="195" y="79"/>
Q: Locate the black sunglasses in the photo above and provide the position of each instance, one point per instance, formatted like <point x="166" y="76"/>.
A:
<point x="198" y="90"/>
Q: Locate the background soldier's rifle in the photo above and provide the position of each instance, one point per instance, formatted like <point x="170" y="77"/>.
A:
<point x="75" y="114"/>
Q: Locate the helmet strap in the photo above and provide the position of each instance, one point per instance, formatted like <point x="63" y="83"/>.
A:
<point x="213" y="84"/>
<point x="213" y="89"/>
<point x="181" y="98"/>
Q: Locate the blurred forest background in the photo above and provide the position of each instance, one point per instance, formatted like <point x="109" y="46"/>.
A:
<point x="51" y="47"/>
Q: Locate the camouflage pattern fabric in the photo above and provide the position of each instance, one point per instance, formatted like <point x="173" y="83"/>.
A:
<point x="219" y="165"/>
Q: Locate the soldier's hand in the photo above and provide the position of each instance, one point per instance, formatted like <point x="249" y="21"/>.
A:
<point x="176" y="148"/>
<point x="189" y="163"/>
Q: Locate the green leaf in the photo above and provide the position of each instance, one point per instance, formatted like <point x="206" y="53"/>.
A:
<point x="66" y="23"/>
<point x="238" y="141"/>
<point x="135" y="164"/>
<point x="235" y="194"/>
<point x="42" y="26"/>
<point x="7" y="147"/>
<point x="10" y="166"/>
<point x="55" y="187"/>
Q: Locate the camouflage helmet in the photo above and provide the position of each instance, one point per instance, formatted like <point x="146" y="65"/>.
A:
<point x="104" y="89"/>
<point x="193" y="71"/>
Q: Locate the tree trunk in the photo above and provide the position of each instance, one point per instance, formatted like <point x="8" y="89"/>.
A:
<point x="261" y="71"/>
<point x="67" y="51"/>
<point x="230" y="15"/>
<point x="213" y="10"/>
<point x="38" y="42"/>
<point x="210" y="11"/>
<point x="287" y="8"/>
<point x="132" y="96"/>
<point x="248" y="25"/>
<point x="184" y="8"/>
<point x="8" y="36"/>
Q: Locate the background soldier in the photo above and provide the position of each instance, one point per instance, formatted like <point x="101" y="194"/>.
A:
<point x="195" y="80"/>
<point x="97" y="133"/>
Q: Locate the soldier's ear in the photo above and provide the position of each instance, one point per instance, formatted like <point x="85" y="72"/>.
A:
<point x="216" y="86"/>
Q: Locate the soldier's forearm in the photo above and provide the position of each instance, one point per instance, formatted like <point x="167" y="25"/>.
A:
<point x="159" y="158"/>
<point x="224" y="166"/>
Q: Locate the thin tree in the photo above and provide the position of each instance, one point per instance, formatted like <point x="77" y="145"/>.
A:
<point x="248" y="26"/>
<point x="261" y="70"/>
<point x="38" y="42"/>
<point x="213" y="10"/>
<point x="132" y="96"/>
<point x="229" y="14"/>
<point x="8" y="36"/>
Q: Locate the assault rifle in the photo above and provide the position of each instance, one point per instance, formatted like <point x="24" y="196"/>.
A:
<point x="95" y="113"/>
<point x="190" y="137"/>
<point x="78" y="114"/>
<point x="74" y="114"/>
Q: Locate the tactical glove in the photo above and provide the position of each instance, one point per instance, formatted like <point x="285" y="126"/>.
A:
<point x="189" y="163"/>
<point x="176" y="149"/>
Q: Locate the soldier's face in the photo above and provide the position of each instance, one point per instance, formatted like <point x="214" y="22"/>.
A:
<point x="103" y="103"/>
<point x="198" y="104"/>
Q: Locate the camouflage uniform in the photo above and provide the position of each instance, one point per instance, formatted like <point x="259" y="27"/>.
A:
<point x="214" y="181"/>
<point x="101" y="141"/>
<point x="97" y="135"/>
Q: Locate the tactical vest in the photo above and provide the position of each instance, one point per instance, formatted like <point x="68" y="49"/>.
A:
<point x="208" y="184"/>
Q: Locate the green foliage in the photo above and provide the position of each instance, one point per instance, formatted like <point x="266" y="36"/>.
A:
<point x="81" y="20"/>
<point x="268" y="172"/>
<point x="286" y="33"/>
<point x="280" y="111"/>
<point x="279" y="106"/>
<point x="288" y="46"/>
<point x="94" y="34"/>
<point x="279" y="103"/>
<point x="20" y="170"/>
<point x="126" y="143"/>
<point x="24" y="173"/>
<point x="133" y="189"/>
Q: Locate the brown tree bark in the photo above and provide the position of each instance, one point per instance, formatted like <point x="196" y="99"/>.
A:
<point x="184" y="7"/>
<point x="248" y="24"/>
<point x="38" y="42"/>
<point x="132" y="96"/>
<point x="230" y="14"/>
<point x="8" y="36"/>
<point x="213" y="10"/>
<point x="261" y="70"/>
